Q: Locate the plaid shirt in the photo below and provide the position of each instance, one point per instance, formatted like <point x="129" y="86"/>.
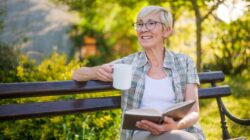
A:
<point x="178" y="66"/>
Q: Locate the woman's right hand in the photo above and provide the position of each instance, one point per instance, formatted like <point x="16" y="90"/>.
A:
<point x="104" y="72"/>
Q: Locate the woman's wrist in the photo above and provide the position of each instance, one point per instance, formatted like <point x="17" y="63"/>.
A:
<point x="188" y="120"/>
<point x="179" y="124"/>
<point x="89" y="73"/>
<point x="94" y="75"/>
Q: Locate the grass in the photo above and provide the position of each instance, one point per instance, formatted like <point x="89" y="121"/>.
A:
<point x="237" y="104"/>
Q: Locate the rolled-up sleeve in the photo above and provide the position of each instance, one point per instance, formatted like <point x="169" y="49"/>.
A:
<point x="192" y="74"/>
<point x="117" y="61"/>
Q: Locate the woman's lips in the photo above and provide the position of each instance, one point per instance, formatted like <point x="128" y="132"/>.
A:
<point x="146" y="37"/>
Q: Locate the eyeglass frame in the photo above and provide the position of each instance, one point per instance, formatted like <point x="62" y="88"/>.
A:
<point x="146" y="25"/>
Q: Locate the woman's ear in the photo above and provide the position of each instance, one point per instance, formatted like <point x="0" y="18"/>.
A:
<point x="167" y="31"/>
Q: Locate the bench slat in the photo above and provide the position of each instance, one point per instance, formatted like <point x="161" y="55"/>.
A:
<point x="209" y="77"/>
<point x="214" y="92"/>
<point x="36" y="89"/>
<point x="40" y="109"/>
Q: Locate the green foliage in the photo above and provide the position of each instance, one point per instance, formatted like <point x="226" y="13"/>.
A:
<point x="237" y="104"/>
<point x="53" y="68"/>
<point x="98" y="22"/>
<point x="1" y="21"/>
<point x="110" y="23"/>
<point x="232" y="47"/>
<point x="87" y="126"/>
<point x="8" y="63"/>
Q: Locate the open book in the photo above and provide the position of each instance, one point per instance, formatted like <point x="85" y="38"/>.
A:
<point x="177" y="111"/>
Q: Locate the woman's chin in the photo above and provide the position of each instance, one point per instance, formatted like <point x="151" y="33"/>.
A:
<point x="147" y="46"/>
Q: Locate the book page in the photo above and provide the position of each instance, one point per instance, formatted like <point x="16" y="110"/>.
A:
<point x="179" y="105"/>
<point x="144" y="112"/>
<point x="179" y="110"/>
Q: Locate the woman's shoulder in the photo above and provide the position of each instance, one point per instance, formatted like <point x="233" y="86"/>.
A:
<point x="180" y="57"/>
<point x="182" y="61"/>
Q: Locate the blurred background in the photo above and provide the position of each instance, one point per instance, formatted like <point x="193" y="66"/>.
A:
<point x="45" y="40"/>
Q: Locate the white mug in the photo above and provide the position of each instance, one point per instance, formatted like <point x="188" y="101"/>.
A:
<point x="122" y="76"/>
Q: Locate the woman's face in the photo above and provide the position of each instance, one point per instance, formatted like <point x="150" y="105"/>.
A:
<point x="153" y="35"/>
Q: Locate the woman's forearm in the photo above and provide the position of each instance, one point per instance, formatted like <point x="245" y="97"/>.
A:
<point x="188" y="121"/>
<point x="102" y="73"/>
<point x="85" y="74"/>
<point x="193" y="116"/>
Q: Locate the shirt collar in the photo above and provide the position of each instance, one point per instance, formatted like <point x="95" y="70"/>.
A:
<point x="143" y="60"/>
<point x="168" y="59"/>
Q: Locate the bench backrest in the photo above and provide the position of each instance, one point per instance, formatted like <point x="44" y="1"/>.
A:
<point x="60" y="107"/>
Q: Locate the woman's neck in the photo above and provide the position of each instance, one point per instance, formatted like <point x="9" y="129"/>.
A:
<point x="155" y="56"/>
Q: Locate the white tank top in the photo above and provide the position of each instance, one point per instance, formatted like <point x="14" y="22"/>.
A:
<point x="158" y="93"/>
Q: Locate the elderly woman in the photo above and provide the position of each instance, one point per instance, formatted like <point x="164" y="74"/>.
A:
<point x="161" y="78"/>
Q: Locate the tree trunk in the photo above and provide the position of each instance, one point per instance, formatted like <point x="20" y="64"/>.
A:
<point x="198" y="45"/>
<point x="198" y="34"/>
<point x="199" y="19"/>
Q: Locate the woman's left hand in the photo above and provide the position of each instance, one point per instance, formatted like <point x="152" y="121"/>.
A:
<point x="156" y="129"/>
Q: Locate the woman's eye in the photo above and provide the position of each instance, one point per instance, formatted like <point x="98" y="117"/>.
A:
<point x="139" y="25"/>
<point x="151" y="23"/>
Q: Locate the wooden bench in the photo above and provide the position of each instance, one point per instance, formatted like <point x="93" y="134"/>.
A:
<point x="61" y="107"/>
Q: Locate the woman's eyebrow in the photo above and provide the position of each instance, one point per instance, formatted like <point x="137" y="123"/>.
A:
<point x="150" y="20"/>
<point x="139" y="21"/>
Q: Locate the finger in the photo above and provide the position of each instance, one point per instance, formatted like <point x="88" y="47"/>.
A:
<point x="170" y="124"/>
<point x="150" y="126"/>
<point x="103" y="78"/>
<point x="108" y="71"/>
<point x="168" y="119"/>
<point x="151" y="130"/>
<point x="108" y="68"/>
<point x="158" y="127"/>
<point x="103" y="75"/>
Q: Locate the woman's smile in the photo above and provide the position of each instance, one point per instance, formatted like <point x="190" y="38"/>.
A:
<point x="146" y="37"/>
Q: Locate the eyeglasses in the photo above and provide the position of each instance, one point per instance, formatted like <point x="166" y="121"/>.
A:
<point x="150" y="25"/>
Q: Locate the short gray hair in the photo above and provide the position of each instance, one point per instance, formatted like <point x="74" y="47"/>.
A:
<point x="165" y="15"/>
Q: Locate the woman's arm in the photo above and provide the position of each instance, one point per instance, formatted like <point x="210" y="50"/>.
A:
<point x="102" y="72"/>
<point x="169" y="124"/>
<point x="193" y="115"/>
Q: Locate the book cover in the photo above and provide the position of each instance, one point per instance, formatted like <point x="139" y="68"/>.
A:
<point x="177" y="111"/>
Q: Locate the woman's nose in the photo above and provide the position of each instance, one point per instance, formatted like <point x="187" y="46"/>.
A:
<point x="144" y="28"/>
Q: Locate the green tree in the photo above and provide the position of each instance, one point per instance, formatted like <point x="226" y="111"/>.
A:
<point x="199" y="19"/>
<point x="8" y="63"/>
<point x="110" y="23"/>
<point x="232" y="46"/>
